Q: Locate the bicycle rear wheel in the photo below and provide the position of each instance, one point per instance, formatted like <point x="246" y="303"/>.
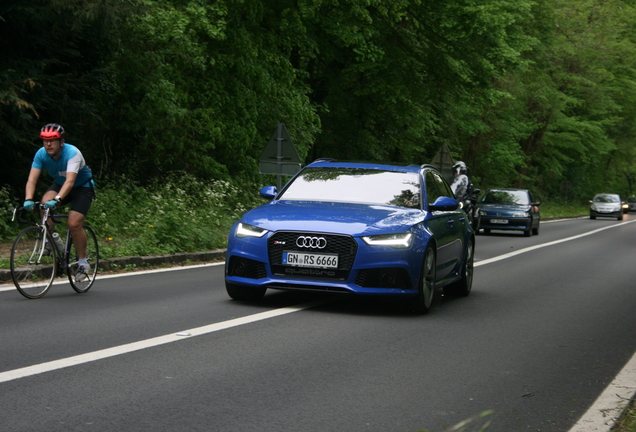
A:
<point x="32" y="267"/>
<point x="92" y="257"/>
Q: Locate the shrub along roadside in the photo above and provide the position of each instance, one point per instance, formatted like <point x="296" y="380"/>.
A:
<point x="178" y="214"/>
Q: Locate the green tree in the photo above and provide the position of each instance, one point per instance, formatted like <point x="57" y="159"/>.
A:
<point x="571" y="109"/>
<point x="200" y="87"/>
<point x="51" y="70"/>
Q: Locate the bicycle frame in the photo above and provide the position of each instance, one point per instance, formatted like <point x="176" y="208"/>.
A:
<point x="36" y="257"/>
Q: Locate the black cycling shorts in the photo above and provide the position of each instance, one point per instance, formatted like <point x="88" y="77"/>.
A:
<point x="79" y="197"/>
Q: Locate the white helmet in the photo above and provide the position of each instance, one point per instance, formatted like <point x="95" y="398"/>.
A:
<point x="460" y="167"/>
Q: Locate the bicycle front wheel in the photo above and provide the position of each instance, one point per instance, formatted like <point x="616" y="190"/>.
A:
<point x="32" y="265"/>
<point x="79" y="281"/>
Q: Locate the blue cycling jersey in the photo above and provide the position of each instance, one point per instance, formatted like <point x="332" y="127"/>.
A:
<point x="69" y="160"/>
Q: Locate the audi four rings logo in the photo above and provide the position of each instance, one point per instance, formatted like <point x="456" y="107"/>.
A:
<point x="311" y="242"/>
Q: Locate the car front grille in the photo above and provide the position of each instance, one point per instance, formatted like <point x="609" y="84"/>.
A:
<point x="287" y="241"/>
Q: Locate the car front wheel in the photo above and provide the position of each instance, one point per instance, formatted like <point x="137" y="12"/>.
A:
<point x="424" y="299"/>
<point x="242" y="292"/>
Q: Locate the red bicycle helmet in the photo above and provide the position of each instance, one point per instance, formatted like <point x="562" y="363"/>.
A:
<point x="52" y="131"/>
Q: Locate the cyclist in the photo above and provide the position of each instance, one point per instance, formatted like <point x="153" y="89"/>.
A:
<point x="72" y="183"/>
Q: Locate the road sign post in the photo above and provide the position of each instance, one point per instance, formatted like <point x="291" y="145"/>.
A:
<point x="279" y="157"/>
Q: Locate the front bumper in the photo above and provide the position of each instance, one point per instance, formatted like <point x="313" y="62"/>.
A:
<point x="361" y="270"/>
<point x="505" y="223"/>
<point x="612" y="214"/>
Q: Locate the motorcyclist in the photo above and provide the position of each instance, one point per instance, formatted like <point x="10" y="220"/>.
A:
<point x="465" y="193"/>
<point x="461" y="183"/>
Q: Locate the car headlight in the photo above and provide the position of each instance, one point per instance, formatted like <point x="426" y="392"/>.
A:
<point x="245" y="230"/>
<point x="398" y="241"/>
<point x="594" y="207"/>
<point x="625" y="206"/>
<point x="482" y="213"/>
<point x="524" y="214"/>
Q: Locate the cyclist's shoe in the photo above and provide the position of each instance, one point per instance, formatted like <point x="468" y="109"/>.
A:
<point x="82" y="272"/>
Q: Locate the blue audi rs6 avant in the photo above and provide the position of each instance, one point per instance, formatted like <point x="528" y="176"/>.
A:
<point x="358" y="228"/>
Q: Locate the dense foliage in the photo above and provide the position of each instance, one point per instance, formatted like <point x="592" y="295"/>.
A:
<point x="531" y="93"/>
<point x="178" y="214"/>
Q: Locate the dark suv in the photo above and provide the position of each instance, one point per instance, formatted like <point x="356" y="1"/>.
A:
<point x="509" y="209"/>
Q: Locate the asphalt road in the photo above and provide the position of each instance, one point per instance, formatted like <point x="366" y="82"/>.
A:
<point x="549" y="324"/>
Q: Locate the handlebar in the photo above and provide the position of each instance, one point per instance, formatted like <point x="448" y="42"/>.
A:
<point x="47" y="213"/>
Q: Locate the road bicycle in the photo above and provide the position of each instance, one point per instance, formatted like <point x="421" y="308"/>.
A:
<point x="36" y="260"/>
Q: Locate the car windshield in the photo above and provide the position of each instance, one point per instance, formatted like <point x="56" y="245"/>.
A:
<point x="607" y="198"/>
<point x="631" y="199"/>
<point x="506" y="197"/>
<point x="355" y="185"/>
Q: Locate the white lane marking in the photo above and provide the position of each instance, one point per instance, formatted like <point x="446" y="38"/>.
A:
<point x="542" y="245"/>
<point x="148" y="343"/>
<point x="64" y="280"/>
<point x="611" y="404"/>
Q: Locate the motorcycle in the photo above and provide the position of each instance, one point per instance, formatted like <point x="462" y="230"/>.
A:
<point x="469" y="205"/>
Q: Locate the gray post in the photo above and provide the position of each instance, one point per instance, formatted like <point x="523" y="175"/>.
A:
<point x="279" y="157"/>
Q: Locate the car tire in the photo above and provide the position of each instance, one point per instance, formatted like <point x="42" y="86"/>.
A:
<point x="528" y="232"/>
<point x="486" y="231"/>
<point x="426" y="286"/>
<point x="463" y="286"/>
<point x="244" y="293"/>
<point x="535" y="231"/>
<point x="592" y="217"/>
<point x="620" y="218"/>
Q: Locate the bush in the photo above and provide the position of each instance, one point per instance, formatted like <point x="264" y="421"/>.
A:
<point x="7" y="229"/>
<point x="178" y="214"/>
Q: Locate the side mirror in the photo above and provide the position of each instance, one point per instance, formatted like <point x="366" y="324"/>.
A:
<point x="268" y="192"/>
<point x="444" y="204"/>
<point x="536" y="203"/>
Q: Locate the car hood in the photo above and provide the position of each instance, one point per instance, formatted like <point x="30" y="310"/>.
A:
<point x="343" y="218"/>
<point x="504" y="207"/>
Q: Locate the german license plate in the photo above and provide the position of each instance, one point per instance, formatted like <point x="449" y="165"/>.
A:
<point x="499" y="221"/>
<point x="300" y="259"/>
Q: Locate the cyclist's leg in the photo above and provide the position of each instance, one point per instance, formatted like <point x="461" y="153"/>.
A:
<point x="50" y="194"/>
<point x="82" y="282"/>
<point x="81" y="199"/>
<point x="76" y="227"/>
